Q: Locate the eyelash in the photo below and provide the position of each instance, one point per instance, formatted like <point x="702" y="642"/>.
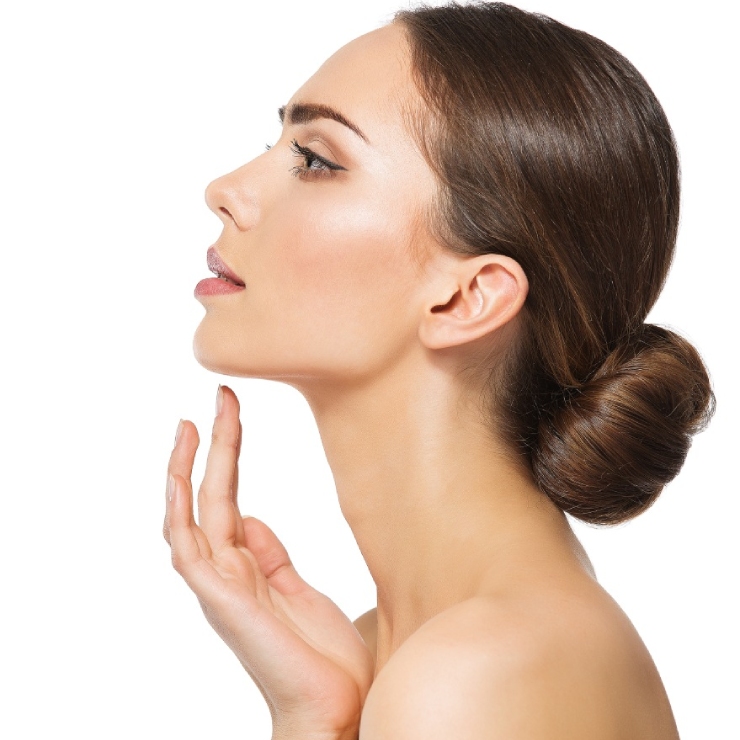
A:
<point x="314" y="165"/>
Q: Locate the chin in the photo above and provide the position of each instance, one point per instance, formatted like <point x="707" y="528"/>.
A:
<point x="209" y="352"/>
<point x="208" y="360"/>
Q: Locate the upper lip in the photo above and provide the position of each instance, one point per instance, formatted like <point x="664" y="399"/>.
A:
<point x="217" y="266"/>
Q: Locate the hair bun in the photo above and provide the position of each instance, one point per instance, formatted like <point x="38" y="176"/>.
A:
<point x="606" y="453"/>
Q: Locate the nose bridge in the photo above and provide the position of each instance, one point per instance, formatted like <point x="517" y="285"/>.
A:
<point x="234" y="198"/>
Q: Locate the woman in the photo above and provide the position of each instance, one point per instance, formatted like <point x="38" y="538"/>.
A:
<point x="451" y="252"/>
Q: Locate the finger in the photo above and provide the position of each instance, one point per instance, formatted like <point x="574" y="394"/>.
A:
<point x="217" y="513"/>
<point x="235" y="479"/>
<point x="240" y="541"/>
<point x="181" y="460"/>
<point x="190" y="548"/>
<point x="271" y="556"/>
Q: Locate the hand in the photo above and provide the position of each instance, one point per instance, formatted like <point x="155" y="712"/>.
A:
<point x="304" y="654"/>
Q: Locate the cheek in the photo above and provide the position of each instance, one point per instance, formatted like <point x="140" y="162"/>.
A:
<point x="341" y="280"/>
<point x="347" y="258"/>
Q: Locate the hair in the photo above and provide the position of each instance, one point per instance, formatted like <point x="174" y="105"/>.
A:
<point x="550" y="148"/>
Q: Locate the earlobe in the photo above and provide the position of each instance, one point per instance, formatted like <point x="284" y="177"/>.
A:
<point x="481" y="295"/>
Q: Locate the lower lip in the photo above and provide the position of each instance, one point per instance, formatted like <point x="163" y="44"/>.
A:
<point x="216" y="286"/>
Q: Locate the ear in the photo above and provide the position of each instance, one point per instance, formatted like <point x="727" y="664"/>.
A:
<point x="475" y="296"/>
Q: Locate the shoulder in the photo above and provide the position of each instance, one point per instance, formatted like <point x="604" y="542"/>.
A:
<point x="534" y="671"/>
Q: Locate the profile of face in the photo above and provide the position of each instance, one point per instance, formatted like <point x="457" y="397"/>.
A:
<point x="325" y="230"/>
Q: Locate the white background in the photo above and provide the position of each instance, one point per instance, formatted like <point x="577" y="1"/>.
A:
<point x="114" y="118"/>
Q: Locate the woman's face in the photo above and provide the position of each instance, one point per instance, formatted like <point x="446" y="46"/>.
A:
<point x="324" y="230"/>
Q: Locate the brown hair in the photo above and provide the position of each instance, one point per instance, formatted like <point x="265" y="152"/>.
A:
<point x="551" y="148"/>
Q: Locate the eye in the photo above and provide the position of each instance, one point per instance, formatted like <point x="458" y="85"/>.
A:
<point x="314" y="165"/>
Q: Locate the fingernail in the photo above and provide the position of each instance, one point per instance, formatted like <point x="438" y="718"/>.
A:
<point x="170" y="487"/>
<point x="178" y="432"/>
<point x="219" y="399"/>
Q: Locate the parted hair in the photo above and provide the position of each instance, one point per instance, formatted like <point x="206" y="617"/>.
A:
<point x="551" y="148"/>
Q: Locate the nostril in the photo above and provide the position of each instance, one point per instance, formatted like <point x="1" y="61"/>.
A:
<point x="223" y="211"/>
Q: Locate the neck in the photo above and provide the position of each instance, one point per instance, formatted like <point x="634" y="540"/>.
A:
<point x="440" y="511"/>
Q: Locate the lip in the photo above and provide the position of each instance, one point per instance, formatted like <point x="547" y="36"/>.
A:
<point x="225" y="282"/>
<point x="220" y="269"/>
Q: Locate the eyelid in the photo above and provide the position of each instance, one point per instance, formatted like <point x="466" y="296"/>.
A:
<point x="315" y="132"/>
<point x="305" y="151"/>
<point x="309" y="171"/>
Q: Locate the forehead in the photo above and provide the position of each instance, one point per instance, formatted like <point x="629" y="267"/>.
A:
<point x="368" y="80"/>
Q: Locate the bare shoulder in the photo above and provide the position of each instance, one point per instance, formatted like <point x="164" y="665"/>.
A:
<point x="550" y="667"/>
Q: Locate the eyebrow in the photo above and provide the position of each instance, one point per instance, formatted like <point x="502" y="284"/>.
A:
<point x="307" y="112"/>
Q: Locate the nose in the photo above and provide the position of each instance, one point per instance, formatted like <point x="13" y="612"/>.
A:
<point x="233" y="200"/>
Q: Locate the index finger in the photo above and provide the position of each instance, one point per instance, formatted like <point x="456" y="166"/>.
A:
<point x="181" y="461"/>
<point x="183" y="453"/>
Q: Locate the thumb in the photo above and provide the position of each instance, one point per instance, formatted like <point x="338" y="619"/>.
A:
<point x="272" y="557"/>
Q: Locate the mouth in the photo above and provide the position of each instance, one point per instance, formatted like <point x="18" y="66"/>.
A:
<point x="221" y="270"/>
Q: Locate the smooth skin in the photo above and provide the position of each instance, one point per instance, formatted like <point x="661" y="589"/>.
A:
<point x="489" y="620"/>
